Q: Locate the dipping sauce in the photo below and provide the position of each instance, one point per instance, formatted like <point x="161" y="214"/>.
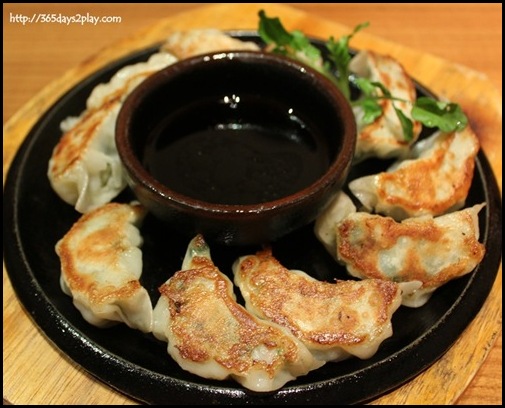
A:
<point x="243" y="147"/>
<point x="249" y="151"/>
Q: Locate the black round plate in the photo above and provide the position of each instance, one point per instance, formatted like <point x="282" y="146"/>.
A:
<point x="137" y="364"/>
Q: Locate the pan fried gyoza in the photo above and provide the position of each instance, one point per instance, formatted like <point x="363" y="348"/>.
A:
<point x="209" y="334"/>
<point x="334" y="320"/>
<point x="384" y="137"/>
<point x="429" y="250"/>
<point x="127" y="78"/>
<point x="185" y="44"/>
<point x="434" y="181"/>
<point x="101" y="263"/>
<point x="84" y="169"/>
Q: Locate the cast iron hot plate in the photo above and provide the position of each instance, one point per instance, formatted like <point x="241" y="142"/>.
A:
<point x="138" y="365"/>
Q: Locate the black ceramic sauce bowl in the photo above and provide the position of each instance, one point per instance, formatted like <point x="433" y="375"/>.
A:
<point x="242" y="146"/>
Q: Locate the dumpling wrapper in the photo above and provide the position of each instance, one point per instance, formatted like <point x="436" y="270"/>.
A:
<point x="209" y="334"/>
<point x="334" y="320"/>
<point x="101" y="264"/>
<point x="384" y="138"/>
<point x="324" y="227"/>
<point x="185" y="44"/>
<point x="84" y="169"/>
<point x="429" y="250"/>
<point x="433" y="181"/>
<point x="127" y="78"/>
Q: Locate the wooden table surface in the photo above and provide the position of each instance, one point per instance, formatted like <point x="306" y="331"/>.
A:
<point x="37" y="54"/>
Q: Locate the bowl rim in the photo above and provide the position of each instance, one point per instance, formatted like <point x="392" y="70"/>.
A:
<point x="135" y="169"/>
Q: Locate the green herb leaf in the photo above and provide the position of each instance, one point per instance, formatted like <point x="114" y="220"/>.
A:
<point x="294" y="45"/>
<point x="368" y="102"/>
<point x="272" y="31"/>
<point x="371" y="110"/>
<point x="407" y="125"/>
<point x="366" y="86"/>
<point x="447" y="116"/>
<point x="340" y="55"/>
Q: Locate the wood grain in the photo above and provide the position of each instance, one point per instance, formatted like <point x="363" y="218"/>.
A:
<point x="37" y="70"/>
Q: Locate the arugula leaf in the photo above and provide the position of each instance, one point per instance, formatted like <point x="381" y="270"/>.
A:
<point x="340" y="56"/>
<point x="295" y="44"/>
<point x="407" y="125"/>
<point x="447" y="116"/>
<point x="368" y="102"/>
<point x="371" y="109"/>
<point x="272" y="31"/>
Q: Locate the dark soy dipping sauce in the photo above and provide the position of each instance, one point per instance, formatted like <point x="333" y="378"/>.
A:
<point x="230" y="152"/>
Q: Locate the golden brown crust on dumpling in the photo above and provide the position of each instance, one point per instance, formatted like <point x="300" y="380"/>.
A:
<point x="430" y="250"/>
<point x="75" y="142"/>
<point x="101" y="264"/>
<point x="323" y="315"/>
<point x="208" y="323"/>
<point x="416" y="188"/>
<point x="99" y="250"/>
<point x="211" y="335"/>
<point x="434" y="180"/>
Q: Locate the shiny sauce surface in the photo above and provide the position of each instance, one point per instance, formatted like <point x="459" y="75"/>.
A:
<point x="236" y="150"/>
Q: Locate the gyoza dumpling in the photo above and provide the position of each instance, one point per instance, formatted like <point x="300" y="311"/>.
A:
<point x="433" y="181"/>
<point x="324" y="227"/>
<point x="185" y="44"/>
<point x="101" y="264"/>
<point x="429" y="250"/>
<point x="84" y="169"/>
<point x="334" y="320"/>
<point x="127" y="78"/>
<point x="384" y="137"/>
<point x="209" y="334"/>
